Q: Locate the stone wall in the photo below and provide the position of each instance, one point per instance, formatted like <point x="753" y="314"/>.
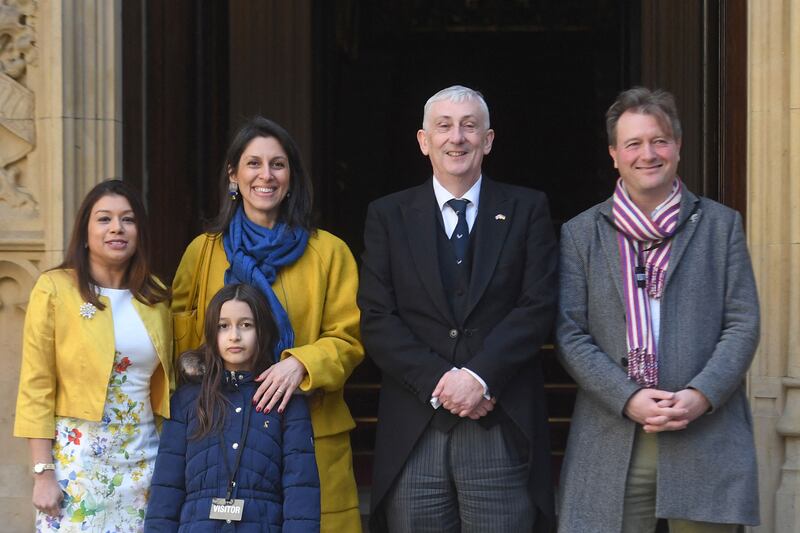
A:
<point x="773" y="230"/>
<point x="60" y="133"/>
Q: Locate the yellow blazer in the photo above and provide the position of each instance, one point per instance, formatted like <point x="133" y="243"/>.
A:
<point x="67" y="359"/>
<point x="318" y="292"/>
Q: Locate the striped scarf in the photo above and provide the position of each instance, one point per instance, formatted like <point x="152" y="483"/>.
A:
<point x="644" y="248"/>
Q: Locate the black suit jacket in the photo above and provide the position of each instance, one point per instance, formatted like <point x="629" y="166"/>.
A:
<point x="410" y="332"/>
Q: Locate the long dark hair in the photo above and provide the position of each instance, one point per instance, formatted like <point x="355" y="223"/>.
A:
<point x="211" y="401"/>
<point x="138" y="277"/>
<point x="296" y="210"/>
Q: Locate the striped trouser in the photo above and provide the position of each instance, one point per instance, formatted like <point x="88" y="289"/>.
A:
<point x="467" y="480"/>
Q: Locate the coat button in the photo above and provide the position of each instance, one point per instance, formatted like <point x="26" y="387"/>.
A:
<point x="238" y="409"/>
<point x="453" y="333"/>
<point x="235" y="445"/>
<point x="624" y="362"/>
<point x="468" y="332"/>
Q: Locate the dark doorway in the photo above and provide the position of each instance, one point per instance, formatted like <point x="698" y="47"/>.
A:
<point x="548" y="71"/>
<point x="349" y="79"/>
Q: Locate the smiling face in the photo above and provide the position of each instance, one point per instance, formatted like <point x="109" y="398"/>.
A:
<point x="646" y="155"/>
<point x="455" y="139"/>
<point x="111" y="234"/>
<point x="236" y="335"/>
<point x="263" y="176"/>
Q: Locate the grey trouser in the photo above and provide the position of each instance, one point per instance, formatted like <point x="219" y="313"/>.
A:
<point x="468" y="480"/>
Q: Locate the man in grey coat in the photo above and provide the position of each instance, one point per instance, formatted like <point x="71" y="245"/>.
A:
<point x="658" y="323"/>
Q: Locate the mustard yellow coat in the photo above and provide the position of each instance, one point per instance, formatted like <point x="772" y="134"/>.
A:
<point x="67" y="359"/>
<point x="318" y="292"/>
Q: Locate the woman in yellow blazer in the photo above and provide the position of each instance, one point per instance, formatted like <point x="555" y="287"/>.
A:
<point x="96" y="371"/>
<point x="264" y="236"/>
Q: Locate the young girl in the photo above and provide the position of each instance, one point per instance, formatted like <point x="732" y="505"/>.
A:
<point x="222" y="465"/>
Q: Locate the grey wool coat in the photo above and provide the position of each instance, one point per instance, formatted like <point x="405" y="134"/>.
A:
<point x="708" y="334"/>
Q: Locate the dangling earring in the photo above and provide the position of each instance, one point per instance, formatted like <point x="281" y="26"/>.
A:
<point x="233" y="191"/>
<point x="289" y="194"/>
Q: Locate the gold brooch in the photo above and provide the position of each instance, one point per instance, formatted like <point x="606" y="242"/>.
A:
<point x="87" y="310"/>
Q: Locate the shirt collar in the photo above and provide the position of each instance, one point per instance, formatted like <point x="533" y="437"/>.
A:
<point x="443" y="195"/>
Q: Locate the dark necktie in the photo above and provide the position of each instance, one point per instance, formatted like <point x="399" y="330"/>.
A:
<point x="460" y="236"/>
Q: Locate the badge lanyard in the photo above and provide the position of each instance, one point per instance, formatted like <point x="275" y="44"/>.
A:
<point x="239" y="452"/>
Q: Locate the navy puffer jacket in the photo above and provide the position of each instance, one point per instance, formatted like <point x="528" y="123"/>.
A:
<point x="277" y="477"/>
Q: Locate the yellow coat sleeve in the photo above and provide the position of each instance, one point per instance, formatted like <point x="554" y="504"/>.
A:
<point x="335" y="349"/>
<point x="36" y="397"/>
<point x="182" y="283"/>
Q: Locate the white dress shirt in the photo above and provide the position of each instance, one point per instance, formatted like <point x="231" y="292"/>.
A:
<point x="449" y="216"/>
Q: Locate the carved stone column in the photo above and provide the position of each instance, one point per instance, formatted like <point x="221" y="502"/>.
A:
<point x="60" y="133"/>
<point x="774" y="238"/>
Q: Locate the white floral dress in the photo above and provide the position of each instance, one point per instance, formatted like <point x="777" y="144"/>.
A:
<point x="104" y="468"/>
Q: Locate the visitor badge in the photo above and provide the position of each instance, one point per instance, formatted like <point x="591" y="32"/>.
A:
<point x="222" y="509"/>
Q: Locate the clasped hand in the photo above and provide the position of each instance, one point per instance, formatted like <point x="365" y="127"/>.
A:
<point x="462" y="394"/>
<point x="657" y="410"/>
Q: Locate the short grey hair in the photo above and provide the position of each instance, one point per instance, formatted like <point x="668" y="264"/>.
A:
<point x="456" y="93"/>
<point x="658" y="103"/>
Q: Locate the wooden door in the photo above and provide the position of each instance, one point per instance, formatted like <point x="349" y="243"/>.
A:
<point x="349" y="78"/>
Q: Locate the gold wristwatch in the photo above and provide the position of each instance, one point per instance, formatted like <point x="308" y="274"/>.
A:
<point x="38" y="468"/>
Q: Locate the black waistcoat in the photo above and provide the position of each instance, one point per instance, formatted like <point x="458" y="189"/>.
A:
<point x="455" y="280"/>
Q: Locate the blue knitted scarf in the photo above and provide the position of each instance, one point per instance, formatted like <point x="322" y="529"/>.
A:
<point x="256" y="254"/>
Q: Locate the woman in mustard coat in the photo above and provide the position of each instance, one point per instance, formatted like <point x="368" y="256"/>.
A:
<point x="263" y="235"/>
<point x="96" y="371"/>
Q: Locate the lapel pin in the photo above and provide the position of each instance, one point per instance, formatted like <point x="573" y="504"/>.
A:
<point x="694" y="217"/>
<point x="499" y="216"/>
<point x="87" y="310"/>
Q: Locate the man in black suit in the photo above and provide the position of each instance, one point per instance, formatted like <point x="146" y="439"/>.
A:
<point x="457" y="293"/>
